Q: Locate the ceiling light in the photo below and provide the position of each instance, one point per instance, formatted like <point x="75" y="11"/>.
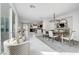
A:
<point x="32" y="6"/>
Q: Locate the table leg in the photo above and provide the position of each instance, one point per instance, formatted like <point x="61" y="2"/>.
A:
<point x="62" y="38"/>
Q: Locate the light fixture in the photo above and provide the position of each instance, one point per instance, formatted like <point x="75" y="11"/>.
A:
<point x="32" y="6"/>
<point x="53" y="18"/>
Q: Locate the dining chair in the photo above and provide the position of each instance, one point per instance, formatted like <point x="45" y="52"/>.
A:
<point x="44" y="33"/>
<point x="70" y="37"/>
<point x="51" y="36"/>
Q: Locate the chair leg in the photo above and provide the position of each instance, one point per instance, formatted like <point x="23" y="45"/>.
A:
<point x="72" y="42"/>
<point x="53" y="39"/>
<point x="69" y="42"/>
<point x="43" y="36"/>
<point x="62" y="40"/>
<point x="48" y="38"/>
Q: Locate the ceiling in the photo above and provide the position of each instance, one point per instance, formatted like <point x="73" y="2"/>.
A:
<point x="39" y="11"/>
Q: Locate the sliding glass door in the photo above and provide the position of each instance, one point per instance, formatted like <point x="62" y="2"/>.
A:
<point x="4" y="30"/>
<point x="8" y="20"/>
<point x="0" y="34"/>
<point x="0" y="28"/>
<point x="4" y="23"/>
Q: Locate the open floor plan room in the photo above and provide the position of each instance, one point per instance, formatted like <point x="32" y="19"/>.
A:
<point x="39" y="28"/>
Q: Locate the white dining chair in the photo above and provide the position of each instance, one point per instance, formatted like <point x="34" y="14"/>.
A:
<point x="45" y="35"/>
<point x="70" y="37"/>
<point x="51" y="36"/>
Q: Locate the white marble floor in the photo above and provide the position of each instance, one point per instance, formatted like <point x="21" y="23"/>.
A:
<point x="39" y="48"/>
<point x="59" y="47"/>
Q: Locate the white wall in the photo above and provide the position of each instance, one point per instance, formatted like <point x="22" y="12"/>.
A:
<point x="75" y="19"/>
<point x="73" y="23"/>
<point x="45" y="24"/>
<point x="16" y="18"/>
<point x="51" y="26"/>
<point x="48" y="25"/>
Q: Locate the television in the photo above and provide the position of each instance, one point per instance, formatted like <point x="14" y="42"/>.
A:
<point x="40" y="26"/>
<point x="61" y="25"/>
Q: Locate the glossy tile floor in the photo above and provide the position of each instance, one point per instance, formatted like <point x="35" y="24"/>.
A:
<point x="39" y="48"/>
<point x="43" y="46"/>
<point x="40" y="45"/>
<point x="58" y="46"/>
